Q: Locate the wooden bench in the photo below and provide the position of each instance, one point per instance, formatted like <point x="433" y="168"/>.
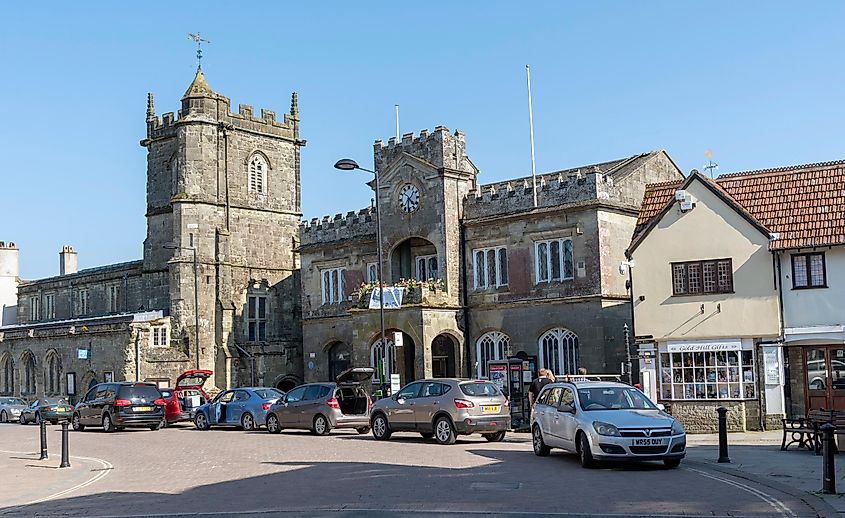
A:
<point x="801" y="431"/>
<point x="815" y="419"/>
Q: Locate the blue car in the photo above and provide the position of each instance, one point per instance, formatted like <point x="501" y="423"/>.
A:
<point x="245" y="407"/>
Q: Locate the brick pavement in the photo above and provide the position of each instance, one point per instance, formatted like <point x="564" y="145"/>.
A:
<point x="228" y="471"/>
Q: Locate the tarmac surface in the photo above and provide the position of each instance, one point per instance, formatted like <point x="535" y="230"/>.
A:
<point x="180" y="471"/>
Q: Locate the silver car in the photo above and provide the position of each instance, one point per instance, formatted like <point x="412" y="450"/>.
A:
<point x="605" y="421"/>
<point x="444" y="408"/>
<point x="320" y="407"/>
<point x="10" y="409"/>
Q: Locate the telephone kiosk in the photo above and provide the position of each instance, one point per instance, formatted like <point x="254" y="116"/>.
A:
<point x="513" y="376"/>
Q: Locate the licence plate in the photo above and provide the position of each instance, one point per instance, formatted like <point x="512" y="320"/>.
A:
<point x="647" y="442"/>
<point x="143" y="408"/>
<point x="491" y="409"/>
<point x="64" y="409"/>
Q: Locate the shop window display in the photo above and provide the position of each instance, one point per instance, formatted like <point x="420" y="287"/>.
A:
<point x="707" y="375"/>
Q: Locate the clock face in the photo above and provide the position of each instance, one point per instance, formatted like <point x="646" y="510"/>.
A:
<point x="409" y="198"/>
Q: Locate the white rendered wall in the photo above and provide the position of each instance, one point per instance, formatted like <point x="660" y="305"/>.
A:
<point x="9" y="272"/>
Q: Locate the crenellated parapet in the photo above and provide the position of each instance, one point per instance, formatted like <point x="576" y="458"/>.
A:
<point x="339" y="228"/>
<point x="201" y="104"/>
<point x="439" y="148"/>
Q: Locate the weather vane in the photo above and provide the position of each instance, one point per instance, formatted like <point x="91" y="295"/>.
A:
<point x="711" y="166"/>
<point x="197" y="38"/>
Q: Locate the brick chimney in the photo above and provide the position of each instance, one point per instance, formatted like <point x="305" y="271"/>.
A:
<point x="67" y="261"/>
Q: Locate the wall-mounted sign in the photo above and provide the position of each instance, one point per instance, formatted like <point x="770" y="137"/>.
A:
<point x="392" y="298"/>
<point x="395" y="384"/>
<point x="71" y="383"/>
<point x="695" y="347"/>
<point x="397" y="339"/>
<point x="82" y="354"/>
<point x="771" y="365"/>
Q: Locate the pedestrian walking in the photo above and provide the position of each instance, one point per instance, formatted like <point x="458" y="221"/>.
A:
<point x="544" y="378"/>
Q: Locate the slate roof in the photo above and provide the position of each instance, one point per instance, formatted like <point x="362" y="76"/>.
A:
<point x="803" y="204"/>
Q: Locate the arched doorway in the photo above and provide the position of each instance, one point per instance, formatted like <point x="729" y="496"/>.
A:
<point x="443" y="357"/>
<point x="414" y="258"/>
<point x="340" y="359"/>
<point x="286" y="383"/>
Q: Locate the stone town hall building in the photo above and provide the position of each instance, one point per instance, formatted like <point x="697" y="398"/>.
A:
<point x="221" y="185"/>
<point x="508" y="277"/>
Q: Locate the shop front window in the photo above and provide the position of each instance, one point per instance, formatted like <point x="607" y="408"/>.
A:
<point x="707" y="375"/>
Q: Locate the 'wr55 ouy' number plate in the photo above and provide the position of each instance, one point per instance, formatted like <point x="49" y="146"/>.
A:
<point x="647" y="442"/>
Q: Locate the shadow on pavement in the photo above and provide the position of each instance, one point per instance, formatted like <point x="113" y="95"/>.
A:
<point x="501" y="481"/>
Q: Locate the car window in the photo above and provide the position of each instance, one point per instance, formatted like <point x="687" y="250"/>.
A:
<point x="324" y="391"/>
<point x="554" y="396"/>
<point x="241" y="395"/>
<point x="137" y="390"/>
<point x="567" y="397"/>
<point x="166" y="394"/>
<point x="480" y="388"/>
<point x="613" y="398"/>
<point x="314" y="392"/>
<point x="295" y="395"/>
<point x="54" y="401"/>
<point x="227" y="397"/>
<point x="102" y="391"/>
<point x="91" y="394"/>
<point x="269" y="393"/>
<point x="410" y="391"/>
<point x="544" y="397"/>
<point x="35" y="403"/>
<point x="431" y="389"/>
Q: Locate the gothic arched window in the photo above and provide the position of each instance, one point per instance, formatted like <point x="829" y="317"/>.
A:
<point x="257" y="174"/>
<point x="7" y="371"/>
<point x="559" y="351"/>
<point x="376" y="356"/>
<point x="491" y="346"/>
<point x="29" y="374"/>
<point x="53" y="374"/>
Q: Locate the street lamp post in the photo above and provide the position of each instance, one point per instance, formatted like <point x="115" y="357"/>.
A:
<point x="196" y="298"/>
<point x="347" y="164"/>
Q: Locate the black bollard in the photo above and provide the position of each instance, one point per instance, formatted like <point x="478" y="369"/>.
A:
<point x="43" y="440"/>
<point x="65" y="457"/>
<point x="723" y="434"/>
<point x="828" y="470"/>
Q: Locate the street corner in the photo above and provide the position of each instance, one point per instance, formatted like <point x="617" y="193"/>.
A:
<point x="28" y="480"/>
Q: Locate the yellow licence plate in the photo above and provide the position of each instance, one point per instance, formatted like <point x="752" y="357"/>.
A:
<point x="143" y="408"/>
<point x="491" y="409"/>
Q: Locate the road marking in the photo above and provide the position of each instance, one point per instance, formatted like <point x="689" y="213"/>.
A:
<point x="101" y="473"/>
<point x="355" y="511"/>
<point x="779" y="506"/>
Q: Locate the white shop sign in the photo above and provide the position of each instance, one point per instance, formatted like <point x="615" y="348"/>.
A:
<point x="771" y="365"/>
<point x="704" y="346"/>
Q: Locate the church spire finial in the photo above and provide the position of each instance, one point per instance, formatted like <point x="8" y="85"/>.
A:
<point x="294" y="105"/>
<point x="151" y="109"/>
<point x="197" y="38"/>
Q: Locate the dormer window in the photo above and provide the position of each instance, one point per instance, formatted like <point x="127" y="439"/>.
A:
<point x="258" y="175"/>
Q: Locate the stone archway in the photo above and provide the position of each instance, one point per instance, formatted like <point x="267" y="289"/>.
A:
<point x="340" y="358"/>
<point x="414" y="258"/>
<point x="286" y="382"/>
<point x="443" y="364"/>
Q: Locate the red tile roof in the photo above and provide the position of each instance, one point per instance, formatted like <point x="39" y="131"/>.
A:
<point x="803" y="204"/>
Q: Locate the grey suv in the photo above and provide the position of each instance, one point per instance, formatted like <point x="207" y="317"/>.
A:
<point x="319" y="407"/>
<point x="443" y="408"/>
<point x="604" y="421"/>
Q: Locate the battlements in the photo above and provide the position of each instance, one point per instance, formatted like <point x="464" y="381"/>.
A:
<point x="8" y="246"/>
<point x="439" y="148"/>
<point x="202" y="104"/>
<point x="341" y="227"/>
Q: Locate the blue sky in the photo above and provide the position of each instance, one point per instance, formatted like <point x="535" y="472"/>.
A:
<point x="759" y="83"/>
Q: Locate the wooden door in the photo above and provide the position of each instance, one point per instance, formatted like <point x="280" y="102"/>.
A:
<point x="815" y="373"/>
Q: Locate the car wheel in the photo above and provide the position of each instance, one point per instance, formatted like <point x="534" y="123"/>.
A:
<point x="273" y="425"/>
<point x="247" y="423"/>
<point x="108" y="425"/>
<point x="4" y="418"/>
<point x="363" y="430"/>
<point x="321" y="425"/>
<point x="74" y="422"/>
<point x="540" y="448"/>
<point x="201" y="421"/>
<point x="584" y="453"/>
<point x="444" y="432"/>
<point x="426" y="435"/>
<point x="381" y="429"/>
<point x="22" y="419"/>
<point x="671" y="463"/>
<point x="156" y="426"/>
<point x="495" y="437"/>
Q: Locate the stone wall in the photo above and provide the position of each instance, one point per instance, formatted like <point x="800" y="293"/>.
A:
<point x="701" y="416"/>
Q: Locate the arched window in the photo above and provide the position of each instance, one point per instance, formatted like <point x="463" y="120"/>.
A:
<point x="376" y="353"/>
<point x="29" y="374"/>
<point x="258" y="174"/>
<point x="7" y="370"/>
<point x="491" y="346"/>
<point x="559" y="351"/>
<point x="53" y="374"/>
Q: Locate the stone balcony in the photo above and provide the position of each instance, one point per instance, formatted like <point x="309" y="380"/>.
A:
<point x="419" y="294"/>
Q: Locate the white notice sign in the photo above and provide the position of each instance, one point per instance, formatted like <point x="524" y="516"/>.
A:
<point x="394" y="383"/>
<point x="397" y="339"/>
<point x="771" y="365"/>
<point x="392" y="298"/>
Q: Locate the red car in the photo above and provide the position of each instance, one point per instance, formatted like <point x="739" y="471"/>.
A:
<point x="182" y="401"/>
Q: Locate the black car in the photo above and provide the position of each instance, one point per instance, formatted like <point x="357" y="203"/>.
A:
<point x="114" y="406"/>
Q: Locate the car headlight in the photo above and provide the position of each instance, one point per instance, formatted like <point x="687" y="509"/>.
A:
<point x="677" y="428"/>
<point x="606" y="429"/>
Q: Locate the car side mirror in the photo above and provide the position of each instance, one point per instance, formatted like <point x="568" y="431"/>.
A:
<point x="400" y="400"/>
<point x="661" y="406"/>
<point x="567" y="408"/>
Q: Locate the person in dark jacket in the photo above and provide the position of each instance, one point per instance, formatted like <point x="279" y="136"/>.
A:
<point x="545" y="377"/>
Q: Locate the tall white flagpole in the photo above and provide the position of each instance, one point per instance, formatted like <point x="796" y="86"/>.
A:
<point x="531" y="125"/>
<point x="398" y="136"/>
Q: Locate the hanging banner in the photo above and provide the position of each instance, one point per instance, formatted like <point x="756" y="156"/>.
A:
<point x="392" y="298"/>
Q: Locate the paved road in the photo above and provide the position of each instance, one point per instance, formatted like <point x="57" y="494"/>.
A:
<point x="218" y="472"/>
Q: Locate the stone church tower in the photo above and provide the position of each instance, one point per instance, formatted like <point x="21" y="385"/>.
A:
<point x="223" y="196"/>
